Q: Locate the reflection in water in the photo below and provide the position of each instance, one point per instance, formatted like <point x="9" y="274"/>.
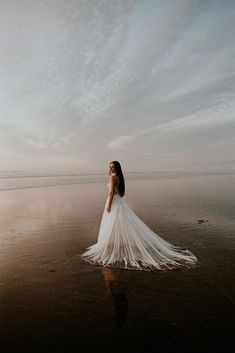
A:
<point x="116" y="282"/>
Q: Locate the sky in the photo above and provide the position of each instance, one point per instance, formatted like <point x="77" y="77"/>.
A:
<point x="150" y="83"/>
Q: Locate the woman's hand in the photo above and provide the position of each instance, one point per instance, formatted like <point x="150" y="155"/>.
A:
<point x="108" y="209"/>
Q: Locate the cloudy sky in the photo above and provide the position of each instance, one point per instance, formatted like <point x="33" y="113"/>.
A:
<point x="150" y="83"/>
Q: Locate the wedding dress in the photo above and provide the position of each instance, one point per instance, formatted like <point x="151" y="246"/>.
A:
<point x="125" y="241"/>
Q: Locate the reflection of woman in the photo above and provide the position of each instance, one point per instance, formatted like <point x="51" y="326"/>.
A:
<point x="125" y="241"/>
<point x="115" y="280"/>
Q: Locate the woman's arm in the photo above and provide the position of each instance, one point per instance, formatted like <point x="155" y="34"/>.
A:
<point x="113" y="179"/>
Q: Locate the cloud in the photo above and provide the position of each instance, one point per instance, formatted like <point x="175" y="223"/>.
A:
<point x="119" y="142"/>
<point x="222" y="114"/>
<point x="89" y="79"/>
<point x="202" y="119"/>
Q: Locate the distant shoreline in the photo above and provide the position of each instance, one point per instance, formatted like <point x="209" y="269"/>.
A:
<point x="16" y="182"/>
<point x="17" y="175"/>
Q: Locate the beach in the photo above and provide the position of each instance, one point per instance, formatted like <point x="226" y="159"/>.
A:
<point x="54" y="302"/>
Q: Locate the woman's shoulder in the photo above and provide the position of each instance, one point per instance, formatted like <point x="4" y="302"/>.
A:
<point x="113" y="176"/>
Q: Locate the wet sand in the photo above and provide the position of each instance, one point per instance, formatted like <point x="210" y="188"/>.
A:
<point x="53" y="302"/>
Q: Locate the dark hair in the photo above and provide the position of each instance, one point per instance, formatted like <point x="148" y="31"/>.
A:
<point x="121" y="186"/>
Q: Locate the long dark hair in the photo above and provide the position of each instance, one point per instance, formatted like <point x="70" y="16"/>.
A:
<point x="121" y="186"/>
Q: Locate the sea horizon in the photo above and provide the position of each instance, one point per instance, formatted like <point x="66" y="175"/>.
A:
<point x="10" y="180"/>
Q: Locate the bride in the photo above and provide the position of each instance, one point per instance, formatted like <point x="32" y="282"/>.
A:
<point x="124" y="241"/>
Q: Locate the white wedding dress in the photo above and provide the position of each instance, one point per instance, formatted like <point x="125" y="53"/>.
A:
<point x="124" y="241"/>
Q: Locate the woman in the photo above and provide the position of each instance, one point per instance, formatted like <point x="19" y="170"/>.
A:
<point x="124" y="241"/>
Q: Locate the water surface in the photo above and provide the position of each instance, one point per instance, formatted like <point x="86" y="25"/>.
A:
<point x="52" y="301"/>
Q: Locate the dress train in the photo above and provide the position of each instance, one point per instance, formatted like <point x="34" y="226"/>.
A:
<point x="125" y="241"/>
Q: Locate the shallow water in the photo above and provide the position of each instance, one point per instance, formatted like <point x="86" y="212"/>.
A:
<point x="52" y="301"/>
